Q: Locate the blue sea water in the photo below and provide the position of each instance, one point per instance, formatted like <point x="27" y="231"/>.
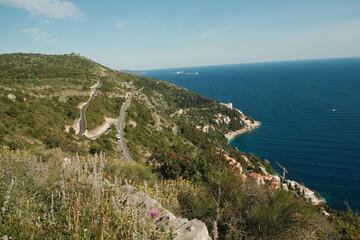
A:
<point x="310" y="115"/>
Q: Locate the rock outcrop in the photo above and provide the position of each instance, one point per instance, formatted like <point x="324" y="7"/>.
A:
<point x="163" y="218"/>
<point x="12" y="97"/>
<point x="307" y="193"/>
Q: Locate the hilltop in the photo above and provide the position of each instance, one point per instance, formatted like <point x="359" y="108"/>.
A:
<point x="176" y="137"/>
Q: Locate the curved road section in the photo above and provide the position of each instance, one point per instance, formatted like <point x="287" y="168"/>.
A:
<point x="82" y="122"/>
<point x="120" y="130"/>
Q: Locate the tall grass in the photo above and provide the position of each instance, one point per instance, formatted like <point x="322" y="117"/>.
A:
<point x="71" y="199"/>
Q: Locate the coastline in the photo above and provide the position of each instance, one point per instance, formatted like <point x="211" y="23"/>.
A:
<point x="248" y="128"/>
<point x="289" y="184"/>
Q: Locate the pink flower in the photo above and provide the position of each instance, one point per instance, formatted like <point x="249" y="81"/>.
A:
<point x="153" y="213"/>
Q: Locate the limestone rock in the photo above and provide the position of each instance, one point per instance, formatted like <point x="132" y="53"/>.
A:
<point x="193" y="230"/>
<point x="66" y="162"/>
<point x="184" y="229"/>
<point x="133" y="123"/>
<point x="11" y="97"/>
<point x="284" y="186"/>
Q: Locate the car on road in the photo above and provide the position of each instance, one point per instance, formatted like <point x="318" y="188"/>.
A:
<point x="118" y="138"/>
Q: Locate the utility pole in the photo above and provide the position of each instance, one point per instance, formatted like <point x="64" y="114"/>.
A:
<point x="284" y="172"/>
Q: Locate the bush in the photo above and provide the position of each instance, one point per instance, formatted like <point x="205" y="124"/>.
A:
<point x="347" y="224"/>
<point x="95" y="150"/>
<point x="55" y="140"/>
<point x="72" y="131"/>
<point x="135" y="172"/>
<point x="14" y="145"/>
<point x="12" y="112"/>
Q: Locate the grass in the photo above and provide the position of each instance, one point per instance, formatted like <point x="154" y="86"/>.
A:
<point x="73" y="199"/>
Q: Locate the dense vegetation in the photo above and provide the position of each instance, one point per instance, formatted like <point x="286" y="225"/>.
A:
<point x="40" y="197"/>
<point x="30" y="66"/>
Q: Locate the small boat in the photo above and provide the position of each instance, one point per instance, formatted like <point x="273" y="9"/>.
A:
<point x="334" y="109"/>
<point x="193" y="73"/>
<point x="178" y="72"/>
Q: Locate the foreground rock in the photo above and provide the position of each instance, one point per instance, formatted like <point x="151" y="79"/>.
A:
<point x="183" y="228"/>
<point x="11" y="97"/>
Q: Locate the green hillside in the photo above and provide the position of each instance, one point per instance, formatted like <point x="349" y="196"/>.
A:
<point x="48" y="90"/>
<point x="165" y="132"/>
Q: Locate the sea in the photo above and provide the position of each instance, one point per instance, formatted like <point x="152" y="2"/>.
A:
<point x="310" y="115"/>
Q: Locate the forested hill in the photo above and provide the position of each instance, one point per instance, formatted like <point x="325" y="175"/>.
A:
<point x="176" y="138"/>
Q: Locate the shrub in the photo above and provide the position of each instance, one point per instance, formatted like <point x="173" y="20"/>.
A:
<point x="347" y="224"/>
<point x="95" y="150"/>
<point x="134" y="172"/>
<point x="12" y="112"/>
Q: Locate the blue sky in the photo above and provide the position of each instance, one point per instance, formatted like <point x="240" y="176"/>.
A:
<point x="144" y="34"/>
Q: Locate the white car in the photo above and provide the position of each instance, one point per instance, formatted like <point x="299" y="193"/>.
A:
<point x="118" y="137"/>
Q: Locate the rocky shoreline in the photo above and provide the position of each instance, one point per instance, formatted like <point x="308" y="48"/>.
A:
<point x="288" y="185"/>
<point x="233" y="134"/>
<point x="248" y="124"/>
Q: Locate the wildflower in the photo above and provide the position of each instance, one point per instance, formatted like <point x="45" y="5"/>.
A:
<point x="153" y="213"/>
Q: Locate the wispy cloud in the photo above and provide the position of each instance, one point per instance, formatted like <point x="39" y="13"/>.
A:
<point x="46" y="8"/>
<point x="39" y="35"/>
<point x="120" y="25"/>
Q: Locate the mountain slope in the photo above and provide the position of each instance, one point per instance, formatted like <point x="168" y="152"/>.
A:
<point x="173" y="134"/>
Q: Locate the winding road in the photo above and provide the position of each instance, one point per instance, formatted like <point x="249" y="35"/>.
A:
<point x="82" y="122"/>
<point x="120" y="130"/>
<point x="120" y="125"/>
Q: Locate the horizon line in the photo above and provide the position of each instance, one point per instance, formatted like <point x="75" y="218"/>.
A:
<point x="225" y="64"/>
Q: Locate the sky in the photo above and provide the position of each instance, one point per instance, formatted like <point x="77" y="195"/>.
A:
<point x="154" y="34"/>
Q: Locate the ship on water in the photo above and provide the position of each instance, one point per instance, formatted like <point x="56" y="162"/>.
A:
<point x="189" y="73"/>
